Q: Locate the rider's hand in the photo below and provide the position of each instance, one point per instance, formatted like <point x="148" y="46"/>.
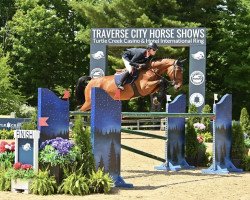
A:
<point x="143" y="66"/>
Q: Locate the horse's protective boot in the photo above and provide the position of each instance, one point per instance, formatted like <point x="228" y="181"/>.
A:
<point x="122" y="80"/>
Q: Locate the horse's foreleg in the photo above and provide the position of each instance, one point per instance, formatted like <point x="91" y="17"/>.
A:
<point x="86" y="106"/>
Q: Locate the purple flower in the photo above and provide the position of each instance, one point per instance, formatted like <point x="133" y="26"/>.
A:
<point x="63" y="146"/>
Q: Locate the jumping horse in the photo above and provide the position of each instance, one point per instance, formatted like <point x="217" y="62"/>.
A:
<point x="147" y="82"/>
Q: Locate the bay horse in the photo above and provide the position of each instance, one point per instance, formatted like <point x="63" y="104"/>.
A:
<point x="147" y="82"/>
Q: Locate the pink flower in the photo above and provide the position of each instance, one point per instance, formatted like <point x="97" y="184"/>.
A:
<point x="200" y="139"/>
<point x="17" y="165"/>
<point x="26" y="166"/>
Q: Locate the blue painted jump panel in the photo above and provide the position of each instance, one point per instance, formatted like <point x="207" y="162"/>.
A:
<point x="57" y="112"/>
<point x="106" y="134"/>
<point x="222" y="138"/>
<point x="175" y="134"/>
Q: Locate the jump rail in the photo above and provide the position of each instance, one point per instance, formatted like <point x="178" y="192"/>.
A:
<point x="150" y="114"/>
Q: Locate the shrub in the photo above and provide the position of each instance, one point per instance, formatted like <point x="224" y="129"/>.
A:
<point x="31" y="125"/>
<point x="247" y="163"/>
<point x="5" y="182"/>
<point x="247" y="143"/>
<point x="6" y="134"/>
<point x="207" y="137"/>
<point x="99" y="182"/>
<point x="74" y="184"/>
<point x="238" y="146"/>
<point x="191" y="138"/>
<point x="83" y="141"/>
<point x="244" y="121"/>
<point x="206" y="120"/>
<point x="43" y="184"/>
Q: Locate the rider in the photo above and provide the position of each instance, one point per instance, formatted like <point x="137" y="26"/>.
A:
<point x="136" y="57"/>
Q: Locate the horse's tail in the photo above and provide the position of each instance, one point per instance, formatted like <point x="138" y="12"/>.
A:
<point x="80" y="86"/>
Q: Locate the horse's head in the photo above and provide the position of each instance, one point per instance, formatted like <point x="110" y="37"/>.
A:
<point x="175" y="73"/>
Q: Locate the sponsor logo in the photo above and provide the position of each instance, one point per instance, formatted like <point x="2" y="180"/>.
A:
<point x="96" y="73"/>
<point x="197" y="77"/>
<point x="26" y="147"/>
<point x="98" y="55"/>
<point x="197" y="99"/>
<point x="198" y="56"/>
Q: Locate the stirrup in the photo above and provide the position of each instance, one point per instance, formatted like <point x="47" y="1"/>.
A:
<point x="120" y="87"/>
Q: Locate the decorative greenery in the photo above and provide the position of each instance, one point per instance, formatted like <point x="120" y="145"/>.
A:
<point x="247" y="163"/>
<point x="206" y="120"/>
<point x="31" y="125"/>
<point x="75" y="184"/>
<point x="244" y="121"/>
<point x="238" y="146"/>
<point x="191" y="138"/>
<point x="5" y="182"/>
<point x="6" y="134"/>
<point x="247" y="143"/>
<point x="207" y="136"/>
<point x="21" y="171"/>
<point x="58" y="152"/>
<point x="83" y="142"/>
<point x="43" y="184"/>
<point x="7" y="154"/>
<point x="99" y="182"/>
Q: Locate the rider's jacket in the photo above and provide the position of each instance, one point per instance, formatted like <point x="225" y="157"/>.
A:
<point x="135" y="55"/>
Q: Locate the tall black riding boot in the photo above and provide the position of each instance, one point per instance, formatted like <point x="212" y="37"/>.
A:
<point x="124" y="76"/>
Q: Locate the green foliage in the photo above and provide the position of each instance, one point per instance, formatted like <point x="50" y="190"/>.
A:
<point x="83" y="141"/>
<point x="6" y="134"/>
<point x="207" y="136"/>
<point x="238" y="146"/>
<point x="74" y="184"/>
<point x="49" y="156"/>
<point x="247" y="163"/>
<point x="26" y="111"/>
<point x="21" y="173"/>
<point x="99" y="182"/>
<point x="247" y="143"/>
<point x="244" y="121"/>
<point x="32" y="124"/>
<point x="206" y="120"/>
<point x="43" y="184"/>
<point x="10" y="98"/>
<point x="5" y="182"/>
<point x="202" y="156"/>
<point x="42" y="40"/>
<point x="7" y="159"/>
<point x="191" y="137"/>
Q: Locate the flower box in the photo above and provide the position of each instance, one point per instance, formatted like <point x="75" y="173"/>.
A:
<point x="21" y="185"/>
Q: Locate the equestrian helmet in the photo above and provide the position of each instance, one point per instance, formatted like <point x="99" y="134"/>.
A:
<point x="152" y="45"/>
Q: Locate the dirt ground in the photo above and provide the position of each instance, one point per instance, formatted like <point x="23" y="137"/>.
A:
<point x="151" y="184"/>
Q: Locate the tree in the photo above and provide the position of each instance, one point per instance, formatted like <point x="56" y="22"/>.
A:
<point x="10" y="98"/>
<point x="44" y="50"/>
<point x="244" y="121"/>
<point x="227" y="24"/>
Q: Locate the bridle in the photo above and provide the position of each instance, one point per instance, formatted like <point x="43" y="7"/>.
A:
<point x="175" y="69"/>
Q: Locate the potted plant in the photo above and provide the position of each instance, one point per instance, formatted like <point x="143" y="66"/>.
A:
<point x="21" y="176"/>
<point x="57" y="155"/>
<point x="7" y="154"/>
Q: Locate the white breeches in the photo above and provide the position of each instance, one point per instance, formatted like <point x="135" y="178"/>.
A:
<point x="127" y="65"/>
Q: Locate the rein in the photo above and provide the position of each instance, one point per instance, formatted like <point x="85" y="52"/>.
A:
<point x="175" y="66"/>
